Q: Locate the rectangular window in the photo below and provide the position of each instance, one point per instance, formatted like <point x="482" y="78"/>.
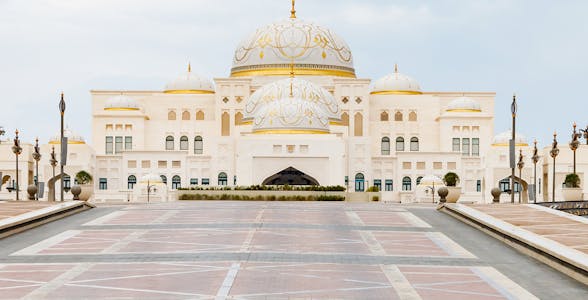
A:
<point x="478" y="185"/>
<point x="539" y="186"/>
<point x="205" y="181"/>
<point x="145" y="164"/>
<point x="456" y="145"/>
<point x="193" y="181"/>
<point x="346" y="180"/>
<point x="465" y="146"/>
<point x="128" y="143"/>
<point x="103" y="184"/>
<point x="378" y="184"/>
<point x="476" y="147"/>
<point x="109" y="145"/>
<point x="162" y="164"/>
<point x="406" y="165"/>
<point x="131" y="164"/>
<point x="437" y="165"/>
<point x="176" y="164"/>
<point x="118" y="144"/>
<point x="388" y="185"/>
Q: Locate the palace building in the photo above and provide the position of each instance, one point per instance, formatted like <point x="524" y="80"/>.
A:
<point x="292" y="111"/>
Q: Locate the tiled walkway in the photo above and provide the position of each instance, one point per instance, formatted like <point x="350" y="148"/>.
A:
<point x="10" y="209"/>
<point x="252" y="250"/>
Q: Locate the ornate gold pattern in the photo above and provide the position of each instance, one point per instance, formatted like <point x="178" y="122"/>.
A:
<point x="506" y="144"/>
<point x="464" y="110"/>
<point x="68" y="142"/>
<point x="290" y="131"/>
<point x="292" y="39"/>
<point x="121" y="108"/>
<point x="396" y="93"/>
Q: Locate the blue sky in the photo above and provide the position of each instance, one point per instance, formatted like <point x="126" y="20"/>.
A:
<point x="536" y="49"/>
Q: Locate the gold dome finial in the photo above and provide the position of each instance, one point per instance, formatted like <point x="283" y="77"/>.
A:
<point x="189" y="67"/>
<point x="395" y="68"/>
<point x="293" y="11"/>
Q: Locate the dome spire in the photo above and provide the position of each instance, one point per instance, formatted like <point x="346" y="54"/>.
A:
<point x="189" y="67"/>
<point x="395" y="68"/>
<point x="293" y="11"/>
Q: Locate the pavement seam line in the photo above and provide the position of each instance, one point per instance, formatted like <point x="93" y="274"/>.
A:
<point x="225" y="288"/>
<point x="401" y="285"/>
<point x="47" y="243"/>
<point x="59" y="281"/>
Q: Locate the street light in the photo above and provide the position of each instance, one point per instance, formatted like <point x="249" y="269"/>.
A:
<point x="53" y="162"/>
<point x="520" y="165"/>
<point x="535" y="159"/>
<point x="62" y="112"/>
<point x="513" y="110"/>
<point x="37" y="157"/>
<point x="554" y="152"/>
<point x="149" y="187"/>
<point x="574" y="144"/>
<point x="17" y="149"/>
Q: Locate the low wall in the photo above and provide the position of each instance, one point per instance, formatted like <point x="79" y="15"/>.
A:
<point x="359" y="196"/>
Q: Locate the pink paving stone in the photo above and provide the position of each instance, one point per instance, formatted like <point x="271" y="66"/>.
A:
<point x="311" y="281"/>
<point x="449" y="283"/>
<point x="19" y="280"/>
<point x="322" y="217"/>
<point x="188" y="240"/>
<point x="146" y="281"/>
<point x="308" y="241"/>
<point x="408" y="244"/>
<point x="378" y="218"/>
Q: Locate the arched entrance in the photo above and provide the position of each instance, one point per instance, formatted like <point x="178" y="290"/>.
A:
<point x="290" y="176"/>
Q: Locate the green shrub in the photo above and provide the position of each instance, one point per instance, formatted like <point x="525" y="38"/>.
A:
<point x="451" y="179"/>
<point x="572" y="180"/>
<point x="83" y="177"/>
<point x="373" y="188"/>
<point x="375" y="198"/>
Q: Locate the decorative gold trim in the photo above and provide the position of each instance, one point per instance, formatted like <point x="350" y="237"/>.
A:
<point x="464" y="110"/>
<point x="396" y="93"/>
<point x="121" y="108"/>
<point x="506" y="144"/>
<point x="246" y="123"/>
<point x="289" y="131"/>
<point x="286" y="72"/>
<point x="68" y="142"/>
<point x="188" y="92"/>
<point x="339" y="123"/>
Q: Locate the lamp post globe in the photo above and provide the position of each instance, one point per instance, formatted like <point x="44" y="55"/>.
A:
<point x="554" y="152"/>
<point x="535" y="159"/>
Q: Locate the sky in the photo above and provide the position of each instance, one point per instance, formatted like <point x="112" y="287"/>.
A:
<point x="534" y="48"/>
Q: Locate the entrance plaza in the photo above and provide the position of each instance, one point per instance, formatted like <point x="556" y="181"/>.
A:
<point x="269" y="250"/>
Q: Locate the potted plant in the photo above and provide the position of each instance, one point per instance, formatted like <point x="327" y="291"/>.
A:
<point x="572" y="190"/>
<point x="84" y="180"/>
<point x="451" y="180"/>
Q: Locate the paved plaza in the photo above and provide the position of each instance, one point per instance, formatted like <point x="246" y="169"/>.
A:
<point x="269" y="250"/>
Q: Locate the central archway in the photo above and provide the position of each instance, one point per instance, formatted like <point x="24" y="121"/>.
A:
<point x="290" y="176"/>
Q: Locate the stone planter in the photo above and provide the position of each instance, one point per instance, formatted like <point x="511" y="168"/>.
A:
<point x="572" y="194"/>
<point x="87" y="191"/>
<point x="454" y="193"/>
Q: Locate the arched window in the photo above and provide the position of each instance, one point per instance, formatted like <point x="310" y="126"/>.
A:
<point x="359" y="182"/>
<point x="385" y="146"/>
<point x="358" y="126"/>
<point x="238" y="118"/>
<point x="222" y="178"/>
<point x="406" y="184"/>
<point x="171" y="115"/>
<point x="184" y="143"/>
<point x="199" y="115"/>
<point x="225" y="124"/>
<point x="398" y="116"/>
<point x="384" y="116"/>
<point x="412" y="116"/>
<point x="198" y="145"/>
<point x="504" y="185"/>
<point x="131" y="181"/>
<point x="169" y="143"/>
<point x="345" y="119"/>
<point x="414" y="143"/>
<point x="399" y="143"/>
<point x="186" y="115"/>
<point x="163" y="179"/>
<point x="176" y="182"/>
<point x="418" y="181"/>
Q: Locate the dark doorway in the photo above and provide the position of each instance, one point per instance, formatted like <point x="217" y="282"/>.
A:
<point x="290" y="176"/>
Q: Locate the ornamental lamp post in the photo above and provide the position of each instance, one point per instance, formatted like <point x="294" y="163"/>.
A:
<point x="535" y="159"/>
<point x="513" y="110"/>
<point x="37" y="157"/>
<point x="53" y="162"/>
<point x="62" y="112"/>
<point x="17" y="149"/>
<point x="554" y="152"/>
<point x="520" y="165"/>
<point x="2" y="132"/>
<point x="574" y="144"/>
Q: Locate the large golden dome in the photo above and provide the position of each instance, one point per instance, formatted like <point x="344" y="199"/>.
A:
<point x="313" y="49"/>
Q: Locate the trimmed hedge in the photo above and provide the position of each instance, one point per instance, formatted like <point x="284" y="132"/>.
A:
<point x="312" y="188"/>
<point x="261" y="197"/>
